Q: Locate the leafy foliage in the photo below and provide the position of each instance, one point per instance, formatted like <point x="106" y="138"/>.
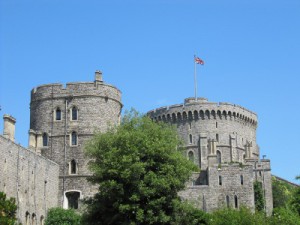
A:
<point x="282" y="193"/>
<point x="139" y="169"/>
<point x="229" y="216"/>
<point x="59" y="216"/>
<point x="8" y="210"/>
<point x="284" y="216"/>
<point x="295" y="203"/>
<point x="187" y="214"/>
<point x="259" y="196"/>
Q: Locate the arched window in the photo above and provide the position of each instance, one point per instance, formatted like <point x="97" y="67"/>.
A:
<point x="236" y="202"/>
<point x="42" y="220"/>
<point x="33" y="219"/>
<point x="191" y="139"/>
<point x="74" y="138"/>
<point x="45" y="139"/>
<point x="73" y="167"/>
<point x="242" y="180"/>
<point x="191" y="156"/>
<point x="27" y="218"/>
<point x="73" y="199"/>
<point x="220" y="180"/>
<point x="58" y="114"/>
<point x="227" y="201"/>
<point x="74" y="115"/>
<point x="219" y="159"/>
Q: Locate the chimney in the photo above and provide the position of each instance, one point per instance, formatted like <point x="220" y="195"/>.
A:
<point x="9" y="127"/>
<point x="98" y="76"/>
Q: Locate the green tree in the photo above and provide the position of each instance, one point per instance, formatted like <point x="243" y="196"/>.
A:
<point x="139" y="169"/>
<point x="282" y="193"/>
<point x="59" y="216"/>
<point x="8" y="210"/>
<point x="259" y="196"/>
<point x="295" y="203"/>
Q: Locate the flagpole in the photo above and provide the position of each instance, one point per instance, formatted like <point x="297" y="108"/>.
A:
<point x="195" y="79"/>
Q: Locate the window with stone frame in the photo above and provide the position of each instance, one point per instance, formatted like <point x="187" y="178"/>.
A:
<point x="73" y="167"/>
<point x="74" y="138"/>
<point x="242" y="179"/>
<point x="73" y="199"/>
<point x="42" y="220"/>
<point x="220" y="180"/>
<point x="191" y="139"/>
<point x="27" y="218"/>
<point x="58" y="114"/>
<point x="45" y="139"/>
<point x="74" y="113"/>
<point x="219" y="157"/>
<point x="227" y="201"/>
<point x="236" y="202"/>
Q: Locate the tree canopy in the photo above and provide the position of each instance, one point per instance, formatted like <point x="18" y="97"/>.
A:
<point x="139" y="168"/>
<point x="8" y="210"/>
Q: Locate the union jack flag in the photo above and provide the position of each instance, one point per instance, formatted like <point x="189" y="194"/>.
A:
<point x="198" y="60"/>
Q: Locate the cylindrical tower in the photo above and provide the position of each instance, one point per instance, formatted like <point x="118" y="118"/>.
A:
<point x="62" y="119"/>
<point x="213" y="132"/>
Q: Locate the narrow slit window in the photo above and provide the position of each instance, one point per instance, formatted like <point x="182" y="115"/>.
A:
<point x="73" y="167"/>
<point x="45" y="139"/>
<point x="220" y="180"/>
<point x="191" y="139"/>
<point x="219" y="159"/>
<point x="74" y="138"/>
<point x="74" y="113"/>
<point x="242" y="180"/>
<point x="227" y="201"/>
<point x="58" y="114"/>
<point x="217" y="137"/>
<point x="236" y="202"/>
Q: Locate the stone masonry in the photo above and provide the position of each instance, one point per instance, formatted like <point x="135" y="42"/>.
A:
<point x="220" y="138"/>
<point x="31" y="179"/>
<point x="95" y="106"/>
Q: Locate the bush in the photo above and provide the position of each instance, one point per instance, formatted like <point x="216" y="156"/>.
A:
<point x="187" y="214"/>
<point x="244" y="216"/>
<point x="59" y="216"/>
<point x="285" y="216"/>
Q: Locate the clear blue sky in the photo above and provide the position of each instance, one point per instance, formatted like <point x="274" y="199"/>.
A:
<point x="251" y="50"/>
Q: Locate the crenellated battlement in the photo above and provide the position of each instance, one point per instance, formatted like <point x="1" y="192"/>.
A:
<point x="75" y="89"/>
<point x="202" y="109"/>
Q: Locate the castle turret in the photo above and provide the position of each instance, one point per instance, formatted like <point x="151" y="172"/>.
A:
<point x="63" y="119"/>
<point x="9" y="127"/>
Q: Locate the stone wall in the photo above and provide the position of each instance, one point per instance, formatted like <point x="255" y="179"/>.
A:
<point x="98" y="107"/>
<point x="222" y="182"/>
<point x="31" y="179"/>
<point x="220" y="138"/>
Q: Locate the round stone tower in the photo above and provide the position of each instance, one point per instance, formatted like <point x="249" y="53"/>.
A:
<point x="62" y="119"/>
<point x="212" y="132"/>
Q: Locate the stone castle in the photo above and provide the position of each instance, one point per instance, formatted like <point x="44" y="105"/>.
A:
<point x="220" y="138"/>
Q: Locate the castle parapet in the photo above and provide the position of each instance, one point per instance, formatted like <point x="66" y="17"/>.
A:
<point x="202" y="109"/>
<point x="77" y="89"/>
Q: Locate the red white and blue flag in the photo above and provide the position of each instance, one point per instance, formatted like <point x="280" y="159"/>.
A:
<point x="198" y="60"/>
